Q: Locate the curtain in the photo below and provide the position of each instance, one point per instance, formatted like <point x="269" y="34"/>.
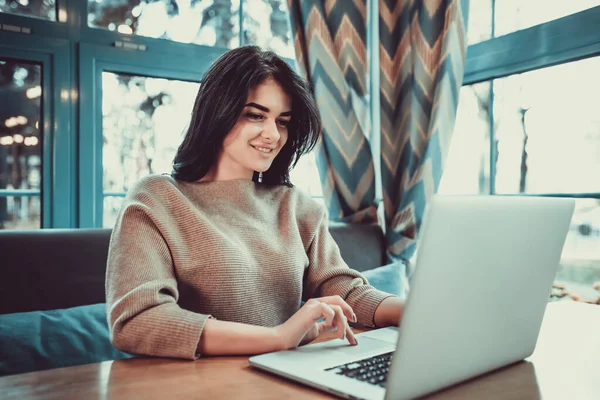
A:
<point x="422" y="46"/>
<point x="330" y="42"/>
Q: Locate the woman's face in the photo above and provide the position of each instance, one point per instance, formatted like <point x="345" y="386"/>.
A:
<point x="258" y="135"/>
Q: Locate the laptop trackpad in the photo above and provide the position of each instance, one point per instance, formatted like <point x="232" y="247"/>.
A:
<point x="337" y="350"/>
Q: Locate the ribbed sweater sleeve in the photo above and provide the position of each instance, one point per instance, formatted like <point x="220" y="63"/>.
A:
<point x="329" y="275"/>
<point x="141" y="288"/>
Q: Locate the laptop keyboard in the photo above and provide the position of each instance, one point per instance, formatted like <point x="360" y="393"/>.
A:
<point x="372" y="370"/>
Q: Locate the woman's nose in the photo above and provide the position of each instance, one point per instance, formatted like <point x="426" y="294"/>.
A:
<point x="270" y="131"/>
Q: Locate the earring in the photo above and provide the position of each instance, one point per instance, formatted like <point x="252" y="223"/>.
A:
<point x="260" y="177"/>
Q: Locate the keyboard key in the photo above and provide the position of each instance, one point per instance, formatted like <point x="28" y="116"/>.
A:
<point x="372" y="370"/>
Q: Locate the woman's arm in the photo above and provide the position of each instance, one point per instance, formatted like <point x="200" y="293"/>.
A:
<point x="313" y="319"/>
<point x="141" y="288"/>
<point x="328" y="275"/>
<point x="389" y="312"/>
<point x="232" y="338"/>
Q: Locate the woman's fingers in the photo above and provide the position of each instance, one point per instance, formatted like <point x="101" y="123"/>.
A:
<point x="311" y="334"/>
<point x="351" y="337"/>
<point x="340" y="322"/>
<point x="338" y="301"/>
<point x="325" y="314"/>
<point x="318" y="310"/>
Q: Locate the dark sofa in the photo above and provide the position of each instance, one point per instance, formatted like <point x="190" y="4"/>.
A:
<point x="52" y="310"/>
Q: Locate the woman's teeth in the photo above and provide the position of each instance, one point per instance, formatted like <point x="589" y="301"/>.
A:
<point x="263" y="149"/>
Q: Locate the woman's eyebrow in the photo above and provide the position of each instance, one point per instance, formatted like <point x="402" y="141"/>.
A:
<point x="265" y="109"/>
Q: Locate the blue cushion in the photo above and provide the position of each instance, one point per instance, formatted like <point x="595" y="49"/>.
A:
<point x="40" y="340"/>
<point x="390" y="278"/>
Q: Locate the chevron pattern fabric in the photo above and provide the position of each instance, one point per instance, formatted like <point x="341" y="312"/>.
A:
<point x="331" y="50"/>
<point x="422" y="53"/>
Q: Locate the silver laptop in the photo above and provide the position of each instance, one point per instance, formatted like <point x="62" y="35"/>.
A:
<point x="481" y="285"/>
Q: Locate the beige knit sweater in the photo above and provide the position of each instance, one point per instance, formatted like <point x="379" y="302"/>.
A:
<point x="234" y="250"/>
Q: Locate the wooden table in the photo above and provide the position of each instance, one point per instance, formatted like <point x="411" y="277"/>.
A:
<point x="565" y="365"/>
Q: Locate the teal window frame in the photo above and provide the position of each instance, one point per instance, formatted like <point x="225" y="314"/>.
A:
<point x="57" y="140"/>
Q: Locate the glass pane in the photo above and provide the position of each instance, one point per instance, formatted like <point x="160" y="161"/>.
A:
<point x="266" y="24"/>
<point x="480" y="21"/>
<point x="45" y="9"/>
<point x="206" y="22"/>
<point x="580" y="264"/>
<point x="20" y="138"/>
<point x="112" y="206"/>
<point x="305" y="175"/>
<point x="513" y="15"/>
<point x="548" y="130"/>
<point x="143" y="122"/>
<point x="466" y="170"/>
<point x="20" y="212"/>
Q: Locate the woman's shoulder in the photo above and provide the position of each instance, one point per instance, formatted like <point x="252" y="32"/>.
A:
<point x="153" y="186"/>
<point x="301" y="202"/>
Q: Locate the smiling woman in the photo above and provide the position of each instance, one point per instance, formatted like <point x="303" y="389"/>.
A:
<point x="248" y="98"/>
<point x="212" y="259"/>
<point x="258" y="135"/>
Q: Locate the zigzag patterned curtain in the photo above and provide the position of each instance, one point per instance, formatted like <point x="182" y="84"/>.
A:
<point x="330" y="42"/>
<point x="422" y="52"/>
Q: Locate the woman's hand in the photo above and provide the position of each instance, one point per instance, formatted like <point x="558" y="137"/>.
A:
<point x="305" y="325"/>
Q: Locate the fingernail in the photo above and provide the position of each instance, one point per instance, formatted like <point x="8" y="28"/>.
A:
<point x="354" y="316"/>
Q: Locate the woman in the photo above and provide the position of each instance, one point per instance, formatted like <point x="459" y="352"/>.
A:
<point x="217" y="258"/>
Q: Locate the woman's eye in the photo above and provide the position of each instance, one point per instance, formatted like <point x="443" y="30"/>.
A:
<point x="254" y="116"/>
<point x="283" y="122"/>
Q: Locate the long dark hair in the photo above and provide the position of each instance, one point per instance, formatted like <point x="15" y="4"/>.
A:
<point x="220" y="100"/>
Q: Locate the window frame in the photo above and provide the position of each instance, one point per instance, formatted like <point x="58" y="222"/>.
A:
<point x="40" y="27"/>
<point x="570" y="38"/>
<point x="106" y="37"/>
<point x="58" y="155"/>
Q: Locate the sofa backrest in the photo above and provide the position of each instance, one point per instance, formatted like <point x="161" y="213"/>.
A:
<point x="52" y="268"/>
<point x="61" y="268"/>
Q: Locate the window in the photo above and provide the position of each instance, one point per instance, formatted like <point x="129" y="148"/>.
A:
<point x="537" y="133"/>
<point x="20" y="144"/>
<point x="580" y="264"/>
<point x="466" y="170"/>
<point x="206" y="22"/>
<point x="514" y="15"/>
<point x="266" y="25"/>
<point x="526" y="122"/>
<point x="548" y="130"/>
<point x="548" y="142"/>
<point x="44" y="9"/>
<point x="143" y="122"/>
<point x="480" y="21"/>
<point x="306" y="175"/>
<point x="119" y="105"/>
